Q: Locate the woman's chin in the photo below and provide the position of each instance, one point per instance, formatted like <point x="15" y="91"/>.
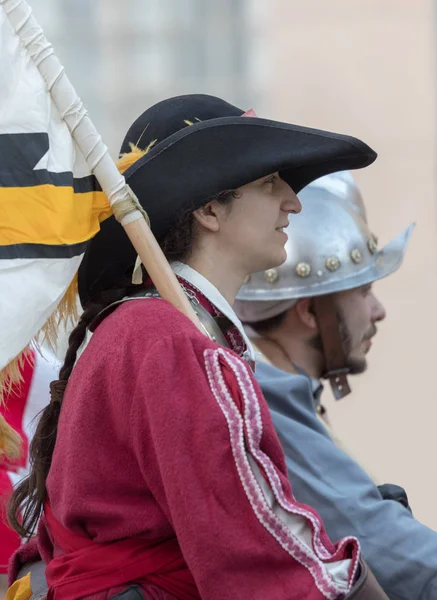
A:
<point x="275" y="259"/>
<point x="281" y="257"/>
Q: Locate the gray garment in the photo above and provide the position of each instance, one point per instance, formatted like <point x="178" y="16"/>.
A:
<point x="401" y="551"/>
<point x="38" y="580"/>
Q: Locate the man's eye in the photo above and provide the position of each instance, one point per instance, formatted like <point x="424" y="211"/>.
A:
<point x="271" y="179"/>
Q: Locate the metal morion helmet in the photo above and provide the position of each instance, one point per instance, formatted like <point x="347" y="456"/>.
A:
<point x="330" y="248"/>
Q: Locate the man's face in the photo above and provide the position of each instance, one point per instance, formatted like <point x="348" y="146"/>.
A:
<point x="359" y="310"/>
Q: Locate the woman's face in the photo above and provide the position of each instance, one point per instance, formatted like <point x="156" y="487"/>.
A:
<point x="252" y="227"/>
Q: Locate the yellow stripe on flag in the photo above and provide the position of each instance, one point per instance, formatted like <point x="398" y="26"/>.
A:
<point x="52" y="215"/>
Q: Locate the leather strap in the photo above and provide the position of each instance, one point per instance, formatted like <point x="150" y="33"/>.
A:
<point x="366" y="588"/>
<point x="212" y="326"/>
<point x="335" y="358"/>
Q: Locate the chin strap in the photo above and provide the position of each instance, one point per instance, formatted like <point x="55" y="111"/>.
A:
<point x="335" y="358"/>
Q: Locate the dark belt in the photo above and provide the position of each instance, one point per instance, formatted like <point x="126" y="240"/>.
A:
<point x="366" y="588"/>
<point x="134" y="592"/>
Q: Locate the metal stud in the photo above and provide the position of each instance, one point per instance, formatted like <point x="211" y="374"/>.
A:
<point x="303" y="269"/>
<point x="356" y="256"/>
<point x="247" y="278"/>
<point x="372" y="245"/>
<point x="332" y="263"/>
<point x="271" y="275"/>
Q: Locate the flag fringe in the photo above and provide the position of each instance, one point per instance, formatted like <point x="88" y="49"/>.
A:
<point x="11" y="375"/>
<point x="127" y="159"/>
<point x="66" y="312"/>
<point x="10" y="441"/>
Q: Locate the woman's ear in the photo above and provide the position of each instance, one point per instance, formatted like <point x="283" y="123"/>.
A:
<point x="305" y="310"/>
<point x="207" y="216"/>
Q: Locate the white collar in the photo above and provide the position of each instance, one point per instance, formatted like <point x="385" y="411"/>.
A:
<point x="212" y="293"/>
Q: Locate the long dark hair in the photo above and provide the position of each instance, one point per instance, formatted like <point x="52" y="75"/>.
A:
<point x="26" y="503"/>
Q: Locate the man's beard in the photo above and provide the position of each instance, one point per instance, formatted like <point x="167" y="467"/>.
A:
<point x="354" y="364"/>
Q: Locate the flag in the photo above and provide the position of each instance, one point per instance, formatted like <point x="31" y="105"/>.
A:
<point x="50" y="203"/>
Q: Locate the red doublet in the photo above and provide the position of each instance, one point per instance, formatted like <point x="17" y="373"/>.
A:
<point x="165" y="435"/>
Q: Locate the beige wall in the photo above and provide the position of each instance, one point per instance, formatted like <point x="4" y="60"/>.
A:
<point x="367" y="68"/>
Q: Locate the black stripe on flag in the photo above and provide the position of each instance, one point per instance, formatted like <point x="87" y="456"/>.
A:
<point x="21" y="152"/>
<point x="35" y="251"/>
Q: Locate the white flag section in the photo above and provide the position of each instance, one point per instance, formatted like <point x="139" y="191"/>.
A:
<point x="50" y="205"/>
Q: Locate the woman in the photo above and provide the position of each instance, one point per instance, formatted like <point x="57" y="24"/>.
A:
<point x="167" y="480"/>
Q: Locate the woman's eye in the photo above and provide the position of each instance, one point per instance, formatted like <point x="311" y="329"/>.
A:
<point x="271" y="179"/>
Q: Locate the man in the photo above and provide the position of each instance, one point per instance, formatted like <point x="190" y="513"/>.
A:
<point x="314" y="317"/>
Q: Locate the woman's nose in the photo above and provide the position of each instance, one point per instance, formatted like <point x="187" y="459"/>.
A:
<point x="291" y="203"/>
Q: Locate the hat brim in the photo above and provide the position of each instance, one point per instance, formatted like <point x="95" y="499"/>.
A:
<point x="181" y="172"/>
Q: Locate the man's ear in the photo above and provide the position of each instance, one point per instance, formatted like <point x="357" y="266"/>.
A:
<point x="206" y="216"/>
<point x="305" y="310"/>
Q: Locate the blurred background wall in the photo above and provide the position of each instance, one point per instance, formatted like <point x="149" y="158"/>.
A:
<point x="364" y="67"/>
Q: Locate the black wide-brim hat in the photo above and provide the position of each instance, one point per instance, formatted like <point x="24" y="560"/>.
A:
<point x="204" y="146"/>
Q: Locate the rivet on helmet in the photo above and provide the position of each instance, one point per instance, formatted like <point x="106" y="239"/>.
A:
<point x="332" y="263"/>
<point x="303" y="269"/>
<point x="372" y="245"/>
<point x="356" y="256"/>
<point x="271" y="275"/>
